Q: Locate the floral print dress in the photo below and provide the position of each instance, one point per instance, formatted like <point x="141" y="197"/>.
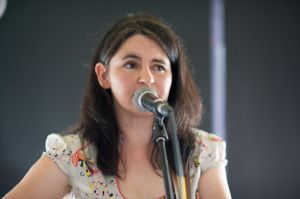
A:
<point x="77" y="161"/>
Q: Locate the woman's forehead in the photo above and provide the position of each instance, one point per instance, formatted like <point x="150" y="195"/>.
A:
<point x="138" y="46"/>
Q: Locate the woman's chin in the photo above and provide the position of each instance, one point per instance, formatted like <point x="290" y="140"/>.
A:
<point x="144" y="114"/>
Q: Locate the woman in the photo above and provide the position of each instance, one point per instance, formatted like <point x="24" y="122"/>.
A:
<point x="111" y="153"/>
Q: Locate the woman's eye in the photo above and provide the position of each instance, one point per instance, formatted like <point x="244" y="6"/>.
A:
<point x="159" y="68"/>
<point x="130" y="65"/>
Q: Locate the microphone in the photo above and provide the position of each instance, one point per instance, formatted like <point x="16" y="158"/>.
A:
<point x="147" y="100"/>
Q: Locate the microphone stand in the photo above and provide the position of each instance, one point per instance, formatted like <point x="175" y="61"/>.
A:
<point x="160" y="136"/>
<point x="177" y="159"/>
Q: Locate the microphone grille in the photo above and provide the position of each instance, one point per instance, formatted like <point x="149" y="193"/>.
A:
<point x="137" y="97"/>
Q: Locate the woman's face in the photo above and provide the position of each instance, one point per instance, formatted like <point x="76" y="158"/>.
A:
<point x="139" y="62"/>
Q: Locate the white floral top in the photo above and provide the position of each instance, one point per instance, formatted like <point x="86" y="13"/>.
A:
<point x="78" y="162"/>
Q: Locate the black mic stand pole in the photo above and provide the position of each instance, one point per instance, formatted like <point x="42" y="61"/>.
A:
<point x="177" y="158"/>
<point x="160" y="136"/>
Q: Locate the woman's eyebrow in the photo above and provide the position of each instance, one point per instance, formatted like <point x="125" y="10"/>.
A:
<point x="134" y="56"/>
<point x="159" y="61"/>
<point x="131" y="55"/>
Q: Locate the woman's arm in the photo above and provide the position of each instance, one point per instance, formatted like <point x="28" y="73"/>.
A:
<point x="43" y="180"/>
<point x="213" y="184"/>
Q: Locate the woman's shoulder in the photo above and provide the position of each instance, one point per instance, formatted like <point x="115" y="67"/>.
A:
<point x="59" y="143"/>
<point x="210" y="150"/>
<point x="202" y="136"/>
<point x="76" y="158"/>
<point x="69" y="146"/>
<point x="60" y="148"/>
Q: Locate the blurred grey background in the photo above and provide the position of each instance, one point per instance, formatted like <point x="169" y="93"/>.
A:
<point x="46" y="48"/>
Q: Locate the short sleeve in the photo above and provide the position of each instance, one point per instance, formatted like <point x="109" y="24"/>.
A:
<point x="58" y="149"/>
<point x="212" y="150"/>
<point x="209" y="152"/>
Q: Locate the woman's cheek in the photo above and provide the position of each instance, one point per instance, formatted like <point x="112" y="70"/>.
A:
<point x="165" y="86"/>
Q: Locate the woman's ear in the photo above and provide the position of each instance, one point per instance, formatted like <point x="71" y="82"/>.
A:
<point x="102" y="75"/>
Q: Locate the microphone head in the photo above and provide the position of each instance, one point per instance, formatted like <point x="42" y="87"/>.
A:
<point x="137" y="97"/>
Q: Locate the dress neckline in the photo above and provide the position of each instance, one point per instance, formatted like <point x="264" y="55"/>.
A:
<point x="124" y="197"/>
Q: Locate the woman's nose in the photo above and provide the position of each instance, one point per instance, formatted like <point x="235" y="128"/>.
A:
<point x="146" y="77"/>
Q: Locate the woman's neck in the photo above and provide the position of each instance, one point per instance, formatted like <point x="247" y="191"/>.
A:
<point x="136" y="131"/>
<point x="136" y="140"/>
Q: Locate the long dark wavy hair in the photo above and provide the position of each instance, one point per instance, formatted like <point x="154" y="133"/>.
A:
<point x="97" y="120"/>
